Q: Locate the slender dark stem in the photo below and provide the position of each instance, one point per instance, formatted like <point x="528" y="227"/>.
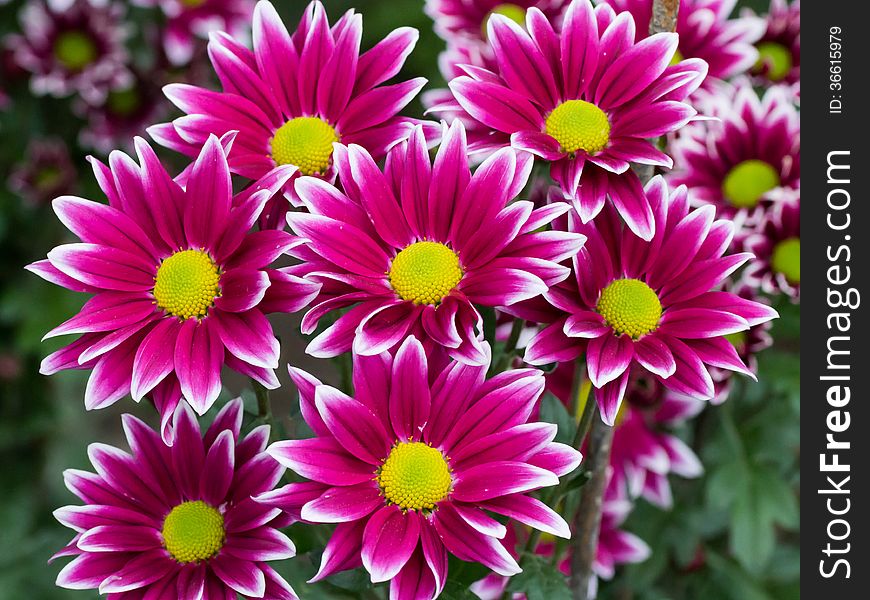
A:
<point x="587" y="521"/>
<point x="264" y="403"/>
<point x="664" y="16"/>
<point x="510" y="347"/>
<point x="345" y="367"/>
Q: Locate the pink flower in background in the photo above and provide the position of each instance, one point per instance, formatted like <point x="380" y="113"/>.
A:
<point x="780" y="47"/>
<point x="296" y="95"/>
<point x="72" y="47"/>
<point x="411" y="468"/>
<point x="179" y="286"/>
<point x="745" y="160"/>
<point x="706" y="31"/>
<point x="464" y="22"/>
<point x="46" y="172"/>
<point x="415" y="248"/>
<point x="586" y="100"/>
<point x="777" y="248"/>
<point x="188" y="20"/>
<point x="651" y="304"/>
<point x="179" y="521"/>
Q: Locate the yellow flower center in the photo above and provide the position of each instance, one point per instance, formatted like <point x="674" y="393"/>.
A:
<point x="193" y="531"/>
<point x="305" y="142"/>
<point x="187" y="284"/>
<point x="415" y="476"/>
<point x="777" y="57"/>
<point x="425" y="272"/>
<point x="678" y="58"/>
<point x="515" y="13"/>
<point x="75" y="50"/>
<point x="747" y="182"/>
<point x="737" y="339"/>
<point x="630" y="306"/>
<point x="787" y="259"/>
<point x="578" y="125"/>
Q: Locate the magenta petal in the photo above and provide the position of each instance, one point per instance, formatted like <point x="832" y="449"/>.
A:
<point x="88" y="571"/>
<point x="496" y="106"/>
<point x="655" y="356"/>
<point x="242" y="289"/>
<point x="579" y="48"/>
<point x="342" y="244"/>
<point x="537" y="143"/>
<point x="609" y="397"/>
<point x="632" y="71"/>
<point x="145" y="568"/>
<point x="552" y="345"/>
<point x="530" y="511"/>
<point x="111" y="378"/>
<point x="342" y="552"/>
<point x="107" y="311"/>
<point x="261" y="544"/>
<point x="97" y="223"/>
<point x="218" y="469"/>
<point x="199" y="355"/>
<point x="451" y="172"/>
<point x="516" y="443"/>
<point x="243" y="576"/>
<point x="344" y="503"/>
<point x="468" y="544"/>
<point x="378" y="200"/>
<point x="208" y="196"/>
<point x="415" y="581"/>
<point x="499" y="479"/>
<point x="321" y="459"/>
<point x="410" y="401"/>
<point x="694" y="323"/>
<point x="608" y="357"/>
<point x="155" y="357"/>
<point x="586" y="324"/>
<point x="248" y="335"/>
<point x="385" y="58"/>
<point x="629" y="198"/>
<point x="481" y="521"/>
<point x="120" y="538"/>
<point x="385" y="327"/>
<point x="352" y="423"/>
<point x="561" y="459"/>
<point x="104" y="267"/>
<point x="389" y="539"/>
<point x="691" y="376"/>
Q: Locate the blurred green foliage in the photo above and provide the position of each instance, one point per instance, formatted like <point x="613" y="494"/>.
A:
<point x="733" y="534"/>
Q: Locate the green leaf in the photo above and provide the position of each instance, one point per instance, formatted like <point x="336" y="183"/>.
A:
<point x="553" y="411"/>
<point x="540" y="580"/>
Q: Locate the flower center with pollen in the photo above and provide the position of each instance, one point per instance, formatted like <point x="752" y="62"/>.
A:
<point x="193" y="531"/>
<point x="747" y="182"/>
<point x="75" y="50"/>
<point x="425" y="272"/>
<point x="415" y="476"/>
<point x="305" y="142"/>
<point x="787" y="259"/>
<point x="630" y="306"/>
<point x="777" y="58"/>
<point x="515" y="13"/>
<point x="187" y="284"/>
<point x="578" y="125"/>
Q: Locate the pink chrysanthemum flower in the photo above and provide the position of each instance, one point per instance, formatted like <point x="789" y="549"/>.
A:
<point x="45" y="172"/>
<point x="780" y="47"/>
<point x="72" y="46"/>
<point x="188" y="20"/>
<point x="707" y="32"/>
<point x="416" y="247"/>
<point x="777" y="248"/>
<point x="644" y="452"/>
<point x="411" y="467"/>
<point x="464" y="22"/>
<point x="179" y="286"/>
<point x="741" y="162"/>
<point x="586" y="100"/>
<point x="295" y="95"/>
<point x="179" y="521"/>
<point x="633" y="302"/>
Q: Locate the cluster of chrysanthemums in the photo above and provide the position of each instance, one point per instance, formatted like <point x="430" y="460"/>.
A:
<point x="463" y="282"/>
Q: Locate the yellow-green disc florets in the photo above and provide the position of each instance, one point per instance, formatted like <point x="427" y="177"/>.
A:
<point x="425" y="272"/>
<point x="630" y="306"/>
<point x="777" y="57"/>
<point x="786" y="259"/>
<point x="75" y="50"/>
<point x="748" y="182"/>
<point x="305" y="142"/>
<point x="193" y="531"/>
<point x="187" y="284"/>
<point x="415" y="476"/>
<point x="578" y="125"/>
<point x="515" y="13"/>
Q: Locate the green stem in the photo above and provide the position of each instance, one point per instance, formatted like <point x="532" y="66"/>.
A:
<point x="264" y="403"/>
<point x="345" y="367"/>
<point x="510" y="347"/>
